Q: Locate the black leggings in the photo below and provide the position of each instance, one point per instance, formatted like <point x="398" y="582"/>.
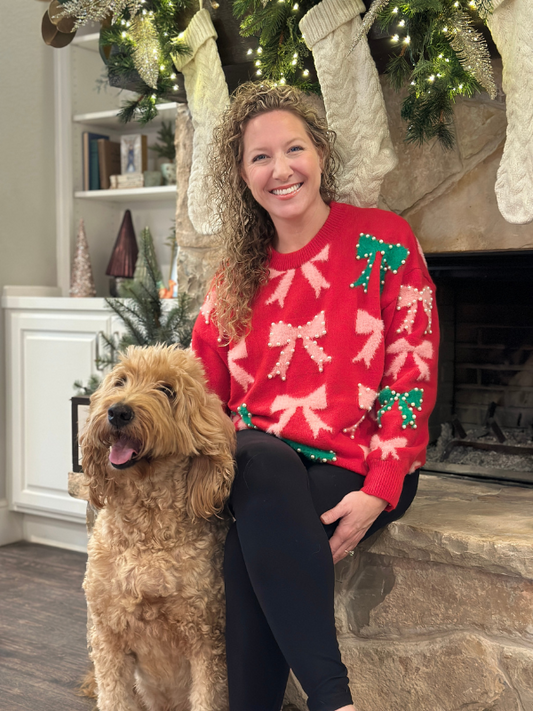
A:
<point x="279" y="576"/>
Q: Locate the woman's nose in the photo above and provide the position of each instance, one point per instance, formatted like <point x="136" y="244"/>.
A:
<point x="282" y="168"/>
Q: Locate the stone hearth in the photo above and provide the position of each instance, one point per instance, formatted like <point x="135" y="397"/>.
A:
<point x="435" y="613"/>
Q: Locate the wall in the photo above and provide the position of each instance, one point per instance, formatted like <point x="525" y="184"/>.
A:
<point x="27" y="173"/>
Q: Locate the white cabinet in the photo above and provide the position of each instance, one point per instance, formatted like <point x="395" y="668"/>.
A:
<point x="50" y="343"/>
<point x="84" y="103"/>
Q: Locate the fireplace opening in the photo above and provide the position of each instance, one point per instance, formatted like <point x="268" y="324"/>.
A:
<point x="482" y="425"/>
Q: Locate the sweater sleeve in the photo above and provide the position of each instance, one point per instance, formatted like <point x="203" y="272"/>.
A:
<point x="214" y="357"/>
<point x="353" y="98"/>
<point x="207" y="97"/>
<point x="408" y="388"/>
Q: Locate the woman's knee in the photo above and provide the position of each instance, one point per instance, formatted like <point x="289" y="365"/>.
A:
<point x="266" y="466"/>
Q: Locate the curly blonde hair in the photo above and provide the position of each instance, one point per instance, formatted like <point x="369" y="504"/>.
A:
<point x="246" y="227"/>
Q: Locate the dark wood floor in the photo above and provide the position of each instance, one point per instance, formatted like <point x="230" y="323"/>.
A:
<point x="43" y="653"/>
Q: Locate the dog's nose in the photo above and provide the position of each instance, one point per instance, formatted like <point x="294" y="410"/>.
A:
<point x="120" y="415"/>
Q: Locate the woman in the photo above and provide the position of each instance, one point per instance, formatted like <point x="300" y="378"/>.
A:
<point x="319" y="335"/>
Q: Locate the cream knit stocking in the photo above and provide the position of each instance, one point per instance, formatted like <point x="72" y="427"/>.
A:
<point x="207" y="96"/>
<point x="511" y="25"/>
<point x="353" y="98"/>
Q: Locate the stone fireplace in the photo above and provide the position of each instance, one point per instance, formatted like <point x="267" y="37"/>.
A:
<point x="485" y="305"/>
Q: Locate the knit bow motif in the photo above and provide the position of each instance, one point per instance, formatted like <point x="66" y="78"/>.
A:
<point x="421" y="353"/>
<point x="407" y="402"/>
<point x="392" y="258"/>
<point x="288" y="405"/>
<point x="285" y="335"/>
<point x="409" y="298"/>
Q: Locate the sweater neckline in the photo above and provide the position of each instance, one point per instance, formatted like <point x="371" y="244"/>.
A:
<point x="293" y="260"/>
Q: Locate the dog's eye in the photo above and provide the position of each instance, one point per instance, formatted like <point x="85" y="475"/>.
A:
<point x="169" y="392"/>
<point x="120" y="382"/>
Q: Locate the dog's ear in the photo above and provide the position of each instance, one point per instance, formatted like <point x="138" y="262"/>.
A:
<point x="211" y="472"/>
<point x="94" y="458"/>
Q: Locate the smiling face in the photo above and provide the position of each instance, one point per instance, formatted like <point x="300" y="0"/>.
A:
<point x="282" y="167"/>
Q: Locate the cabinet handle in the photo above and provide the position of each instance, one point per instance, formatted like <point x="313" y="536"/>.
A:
<point x="99" y="366"/>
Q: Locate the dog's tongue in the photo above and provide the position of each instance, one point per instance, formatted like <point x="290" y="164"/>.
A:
<point x="122" y="451"/>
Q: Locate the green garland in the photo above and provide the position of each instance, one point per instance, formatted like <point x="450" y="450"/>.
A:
<point x="121" y="65"/>
<point x="282" y="55"/>
<point x="431" y="69"/>
<point x="436" y="54"/>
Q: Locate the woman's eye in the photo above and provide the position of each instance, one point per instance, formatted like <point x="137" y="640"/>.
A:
<point x="168" y="391"/>
<point x="295" y="149"/>
<point x="259" y="157"/>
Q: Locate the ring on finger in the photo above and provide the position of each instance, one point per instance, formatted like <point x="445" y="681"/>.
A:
<point x="350" y="553"/>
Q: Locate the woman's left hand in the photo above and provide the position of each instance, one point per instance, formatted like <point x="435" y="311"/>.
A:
<point x="356" y="512"/>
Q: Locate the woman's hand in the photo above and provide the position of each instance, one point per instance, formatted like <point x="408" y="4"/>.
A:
<point x="357" y="511"/>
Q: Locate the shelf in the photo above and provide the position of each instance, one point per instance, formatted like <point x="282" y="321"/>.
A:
<point x="109" y="120"/>
<point x="165" y="192"/>
<point x="90" y="41"/>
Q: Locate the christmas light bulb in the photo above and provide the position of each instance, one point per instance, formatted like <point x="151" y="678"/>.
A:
<point x="306" y="72"/>
<point x="295" y="6"/>
<point x="249" y="51"/>
<point x="259" y="50"/>
<point x="407" y="40"/>
<point x="124" y="34"/>
<point x="401" y="23"/>
<point x="395" y="10"/>
<point x="395" y="38"/>
<point x="175" y="87"/>
<point x="172" y="76"/>
<point x="259" y="72"/>
<point x="294" y="62"/>
<point x="295" y="55"/>
<point x="431" y="78"/>
<point x="162" y="67"/>
<point x="258" y="63"/>
<point x="282" y="80"/>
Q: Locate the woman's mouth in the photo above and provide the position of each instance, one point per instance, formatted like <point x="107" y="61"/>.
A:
<point x="281" y="192"/>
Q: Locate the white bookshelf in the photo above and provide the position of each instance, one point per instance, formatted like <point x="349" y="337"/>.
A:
<point x="165" y="192"/>
<point x="108" y="120"/>
<point x="83" y="106"/>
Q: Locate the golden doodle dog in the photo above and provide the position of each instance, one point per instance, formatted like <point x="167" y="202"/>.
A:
<point x="158" y="451"/>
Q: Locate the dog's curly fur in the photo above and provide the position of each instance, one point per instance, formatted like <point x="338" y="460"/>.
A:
<point x="154" y="580"/>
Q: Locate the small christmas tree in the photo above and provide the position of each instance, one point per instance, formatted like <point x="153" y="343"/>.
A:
<point x="147" y="261"/>
<point x="81" y="279"/>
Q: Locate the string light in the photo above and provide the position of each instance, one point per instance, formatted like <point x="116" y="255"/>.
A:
<point x="259" y="50"/>
<point x="401" y="23"/>
<point x="258" y="63"/>
<point x="305" y="72"/>
<point x="259" y="72"/>
<point x="250" y="51"/>
<point x="395" y="38"/>
<point x="295" y="6"/>
<point x="407" y="40"/>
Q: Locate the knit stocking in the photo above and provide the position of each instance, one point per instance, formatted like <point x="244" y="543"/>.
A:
<point x="511" y="24"/>
<point x="207" y="96"/>
<point x="353" y="98"/>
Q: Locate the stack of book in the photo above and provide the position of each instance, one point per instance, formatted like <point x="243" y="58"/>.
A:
<point x="108" y="164"/>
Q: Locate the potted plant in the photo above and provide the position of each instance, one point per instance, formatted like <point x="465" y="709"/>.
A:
<point x="166" y="149"/>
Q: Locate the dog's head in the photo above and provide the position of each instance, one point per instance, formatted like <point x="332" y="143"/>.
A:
<point x="154" y="406"/>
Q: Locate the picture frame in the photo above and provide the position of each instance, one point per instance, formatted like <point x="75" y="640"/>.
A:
<point x="80" y="414"/>
<point x="133" y="153"/>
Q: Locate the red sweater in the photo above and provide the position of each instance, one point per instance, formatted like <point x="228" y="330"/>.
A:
<point x="341" y="359"/>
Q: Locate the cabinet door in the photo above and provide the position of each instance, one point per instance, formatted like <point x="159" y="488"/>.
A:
<point x="48" y="351"/>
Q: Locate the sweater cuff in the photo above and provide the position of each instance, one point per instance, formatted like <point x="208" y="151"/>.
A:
<point x="199" y="30"/>
<point x="385" y="480"/>
<point x="326" y="17"/>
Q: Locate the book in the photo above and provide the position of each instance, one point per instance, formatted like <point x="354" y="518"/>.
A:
<point x="108" y="161"/>
<point x="91" y="172"/>
<point x="134" y="153"/>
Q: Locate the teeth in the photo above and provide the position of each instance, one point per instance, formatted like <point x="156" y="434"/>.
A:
<point x="287" y="191"/>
